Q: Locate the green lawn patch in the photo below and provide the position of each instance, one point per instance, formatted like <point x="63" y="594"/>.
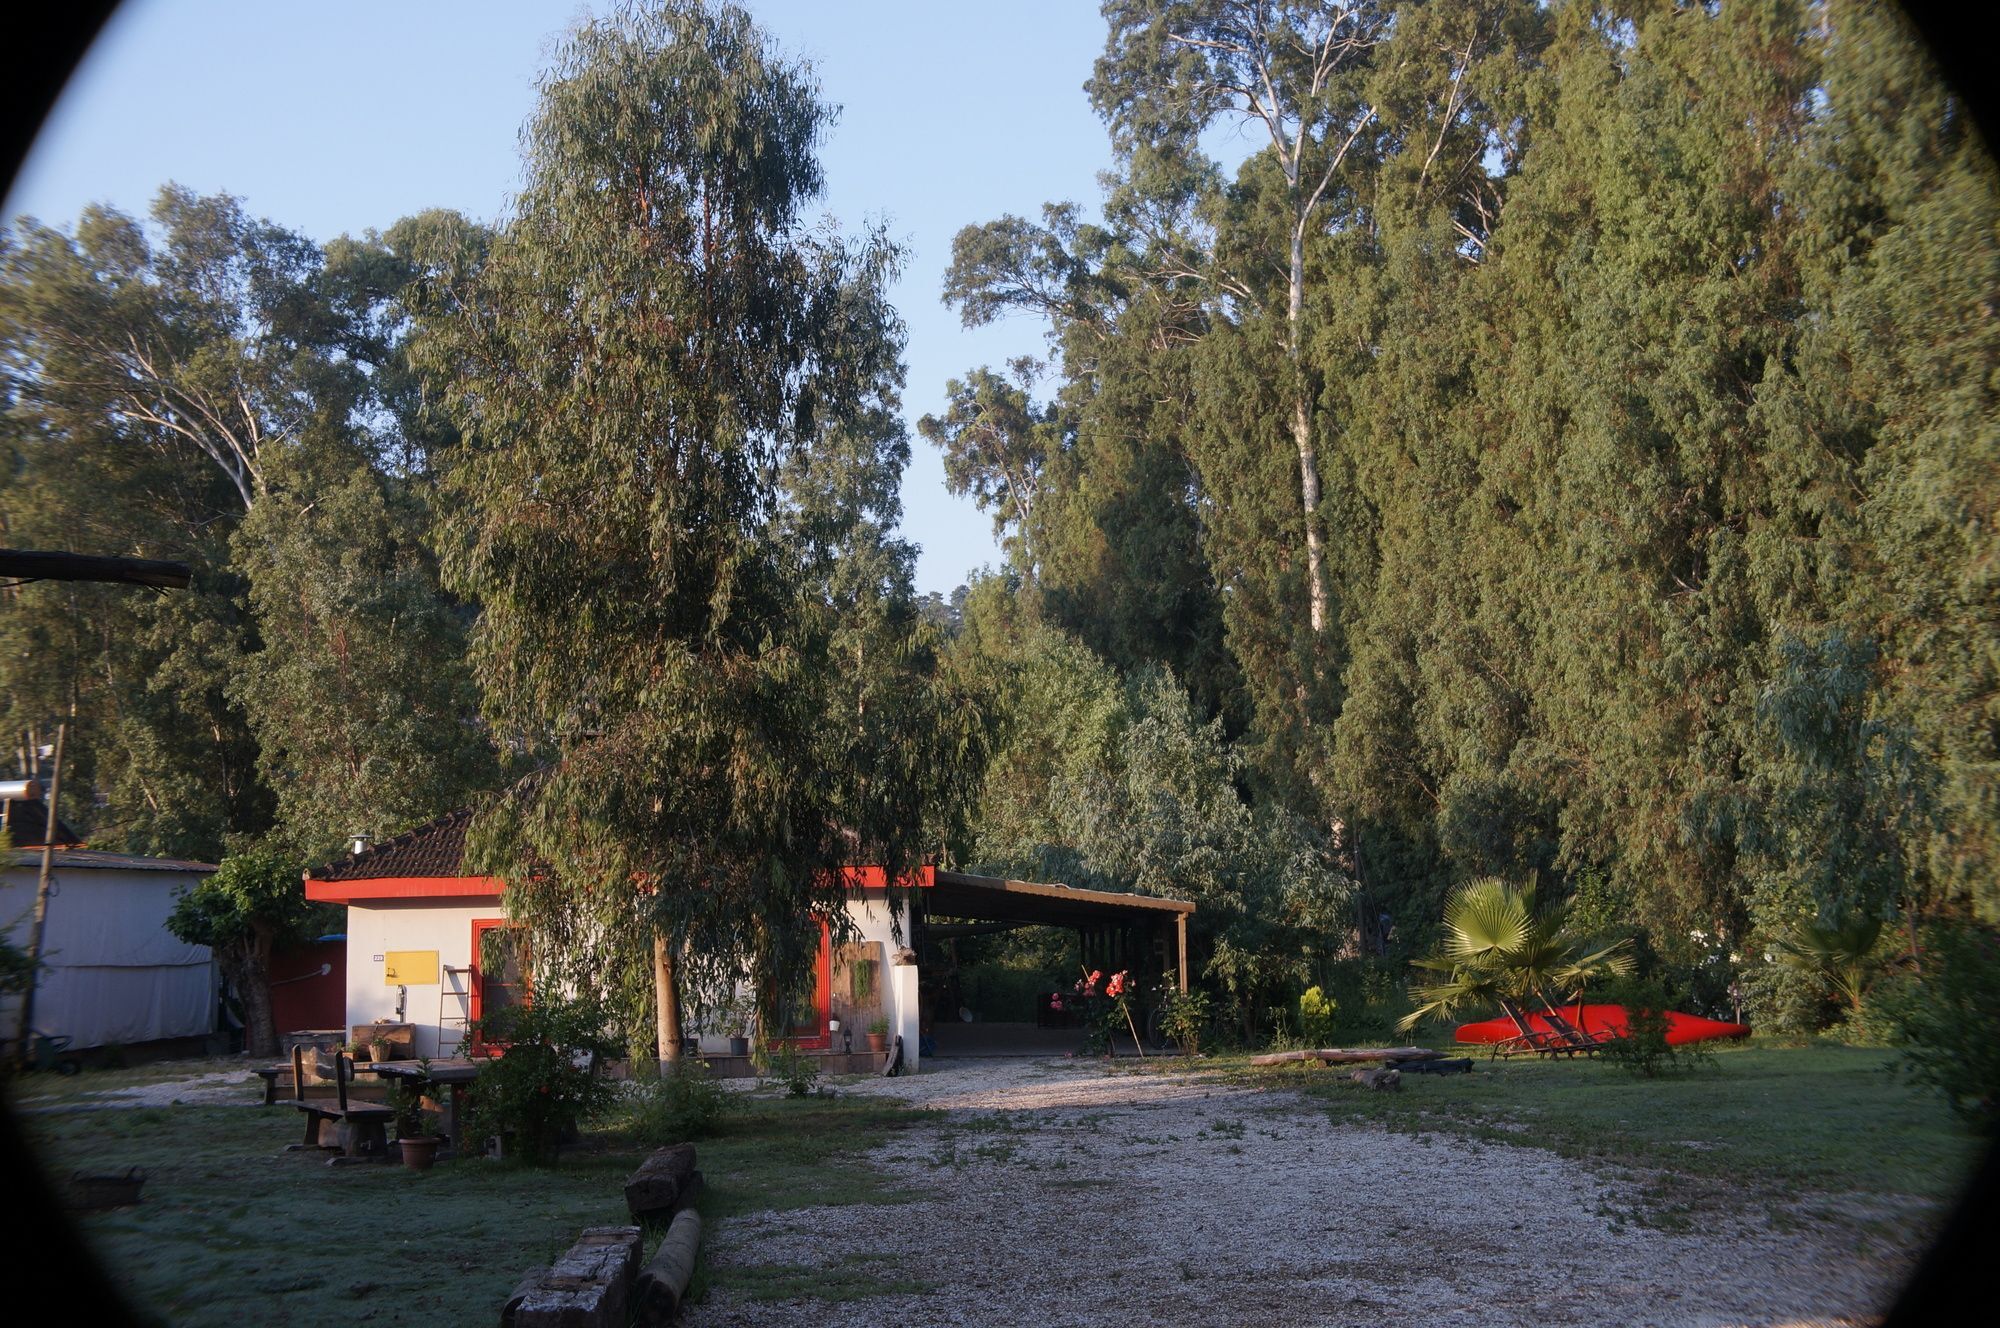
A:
<point x="1821" y="1117"/>
<point x="234" y="1229"/>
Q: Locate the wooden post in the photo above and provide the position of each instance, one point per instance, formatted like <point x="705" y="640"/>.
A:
<point x="667" y="1002"/>
<point x="22" y="1048"/>
<point x="1180" y="947"/>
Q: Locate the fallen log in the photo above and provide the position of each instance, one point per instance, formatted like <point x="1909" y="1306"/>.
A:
<point x="1346" y="1056"/>
<point x="589" y="1287"/>
<point x="657" y="1187"/>
<point x="656" y="1296"/>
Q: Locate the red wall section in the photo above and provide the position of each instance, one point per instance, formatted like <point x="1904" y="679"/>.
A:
<point x="300" y="997"/>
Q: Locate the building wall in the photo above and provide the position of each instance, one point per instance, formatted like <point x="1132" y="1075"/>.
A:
<point x="115" y="975"/>
<point x="375" y="929"/>
<point x="438" y="1010"/>
<point x="876" y="919"/>
<point x="301" y="997"/>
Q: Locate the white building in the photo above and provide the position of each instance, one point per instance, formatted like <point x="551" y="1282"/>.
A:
<point x="415" y="923"/>
<point x="415" y="951"/>
<point x="113" y="974"/>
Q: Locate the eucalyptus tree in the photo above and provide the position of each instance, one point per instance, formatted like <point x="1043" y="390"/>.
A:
<point x="648" y="348"/>
<point x="1297" y="72"/>
<point x="153" y="375"/>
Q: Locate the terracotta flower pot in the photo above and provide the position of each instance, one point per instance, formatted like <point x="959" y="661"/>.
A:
<point x="878" y="1042"/>
<point x="419" y="1153"/>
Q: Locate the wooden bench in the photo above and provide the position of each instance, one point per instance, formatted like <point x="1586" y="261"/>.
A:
<point x="271" y="1074"/>
<point x="357" y="1129"/>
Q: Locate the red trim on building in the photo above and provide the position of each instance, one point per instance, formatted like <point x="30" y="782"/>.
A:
<point x="475" y="986"/>
<point x="877" y="878"/>
<point x="404" y="887"/>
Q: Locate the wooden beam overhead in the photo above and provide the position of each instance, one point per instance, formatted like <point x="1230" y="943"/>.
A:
<point x="38" y="565"/>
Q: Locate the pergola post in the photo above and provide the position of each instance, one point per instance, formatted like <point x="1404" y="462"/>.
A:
<point x="1180" y="947"/>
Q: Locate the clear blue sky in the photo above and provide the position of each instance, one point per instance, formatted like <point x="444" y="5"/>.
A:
<point x="338" y="117"/>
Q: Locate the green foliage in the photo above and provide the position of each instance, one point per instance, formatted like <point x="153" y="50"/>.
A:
<point x="692" y="611"/>
<point x="543" y="1081"/>
<point x="1644" y="1050"/>
<point x="1504" y="942"/>
<point x="1783" y="998"/>
<point x="1316" y="1017"/>
<point x="361" y="700"/>
<point x="251" y="896"/>
<point x="1621" y="398"/>
<point x="1844" y="957"/>
<point x="1948" y="1019"/>
<point x="17" y="971"/>
<point x="1184" y="1017"/>
<point x="681" y="1102"/>
<point x="1121" y="785"/>
<point x="793" y="1068"/>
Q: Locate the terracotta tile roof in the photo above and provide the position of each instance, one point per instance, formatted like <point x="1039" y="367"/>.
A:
<point x="27" y="820"/>
<point x="436" y="849"/>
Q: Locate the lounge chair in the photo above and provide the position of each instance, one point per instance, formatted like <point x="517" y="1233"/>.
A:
<point x="1531" y="1041"/>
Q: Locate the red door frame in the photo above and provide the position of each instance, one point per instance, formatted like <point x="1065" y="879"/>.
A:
<point x="475" y="987"/>
<point x="821" y="1040"/>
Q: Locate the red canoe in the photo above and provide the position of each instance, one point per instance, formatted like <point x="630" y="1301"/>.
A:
<point x="1681" y="1028"/>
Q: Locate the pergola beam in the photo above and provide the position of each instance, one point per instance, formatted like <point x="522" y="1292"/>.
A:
<point x="42" y="565"/>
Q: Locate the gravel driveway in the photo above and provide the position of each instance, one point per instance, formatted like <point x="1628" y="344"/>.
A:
<point x="1059" y="1193"/>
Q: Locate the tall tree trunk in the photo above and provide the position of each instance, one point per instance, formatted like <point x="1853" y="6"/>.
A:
<point x="1302" y="432"/>
<point x="260" y="1024"/>
<point x="667" y="1002"/>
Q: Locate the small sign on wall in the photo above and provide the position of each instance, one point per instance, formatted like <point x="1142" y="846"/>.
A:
<point x="410" y="968"/>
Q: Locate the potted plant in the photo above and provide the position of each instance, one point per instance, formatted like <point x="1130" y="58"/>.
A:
<point x="878" y="1033"/>
<point x="735" y="1013"/>
<point x="413" y="1136"/>
<point x="378" y="1049"/>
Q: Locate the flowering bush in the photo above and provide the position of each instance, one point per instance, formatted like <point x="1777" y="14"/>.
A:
<point x="1105" y="1012"/>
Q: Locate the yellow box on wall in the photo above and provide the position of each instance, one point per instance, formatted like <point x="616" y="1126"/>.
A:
<point x="410" y="968"/>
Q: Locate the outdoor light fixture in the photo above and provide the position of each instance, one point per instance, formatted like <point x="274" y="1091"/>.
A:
<point x="19" y="790"/>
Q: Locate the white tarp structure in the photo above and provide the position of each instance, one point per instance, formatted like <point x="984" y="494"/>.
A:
<point x="113" y="972"/>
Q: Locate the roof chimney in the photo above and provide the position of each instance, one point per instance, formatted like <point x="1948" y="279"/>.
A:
<point x="360" y="845"/>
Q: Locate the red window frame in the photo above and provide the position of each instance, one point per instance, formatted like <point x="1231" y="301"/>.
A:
<point x="476" y="986"/>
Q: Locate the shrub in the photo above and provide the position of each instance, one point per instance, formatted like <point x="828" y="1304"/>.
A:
<point x="794" y="1069"/>
<point x="682" y="1102"/>
<point x="1316" y="1011"/>
<point x="1644" y="1050"/>
<point x="1184" y="1017"/>
<point x="543" y="1081"/>
<point x="1879" y="1020"/>
<point x="1779" y="998"/>
<point x="1948" y="1020"/>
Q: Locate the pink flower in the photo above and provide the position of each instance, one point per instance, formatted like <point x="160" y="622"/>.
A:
<point x="1055" y="1002"/>
<point x="1117" y="987"/>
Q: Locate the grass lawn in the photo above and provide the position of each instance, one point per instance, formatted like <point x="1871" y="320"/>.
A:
<point x="1783" y="1122"/>
<point x="234" y="1229"/>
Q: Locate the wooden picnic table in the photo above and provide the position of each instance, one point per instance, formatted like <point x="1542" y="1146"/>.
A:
<point x="455" y="1073"/>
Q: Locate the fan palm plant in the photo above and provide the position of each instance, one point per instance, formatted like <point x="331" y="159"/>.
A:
<point x="1841" y="956"/>
<point x="1503" y="943"/>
